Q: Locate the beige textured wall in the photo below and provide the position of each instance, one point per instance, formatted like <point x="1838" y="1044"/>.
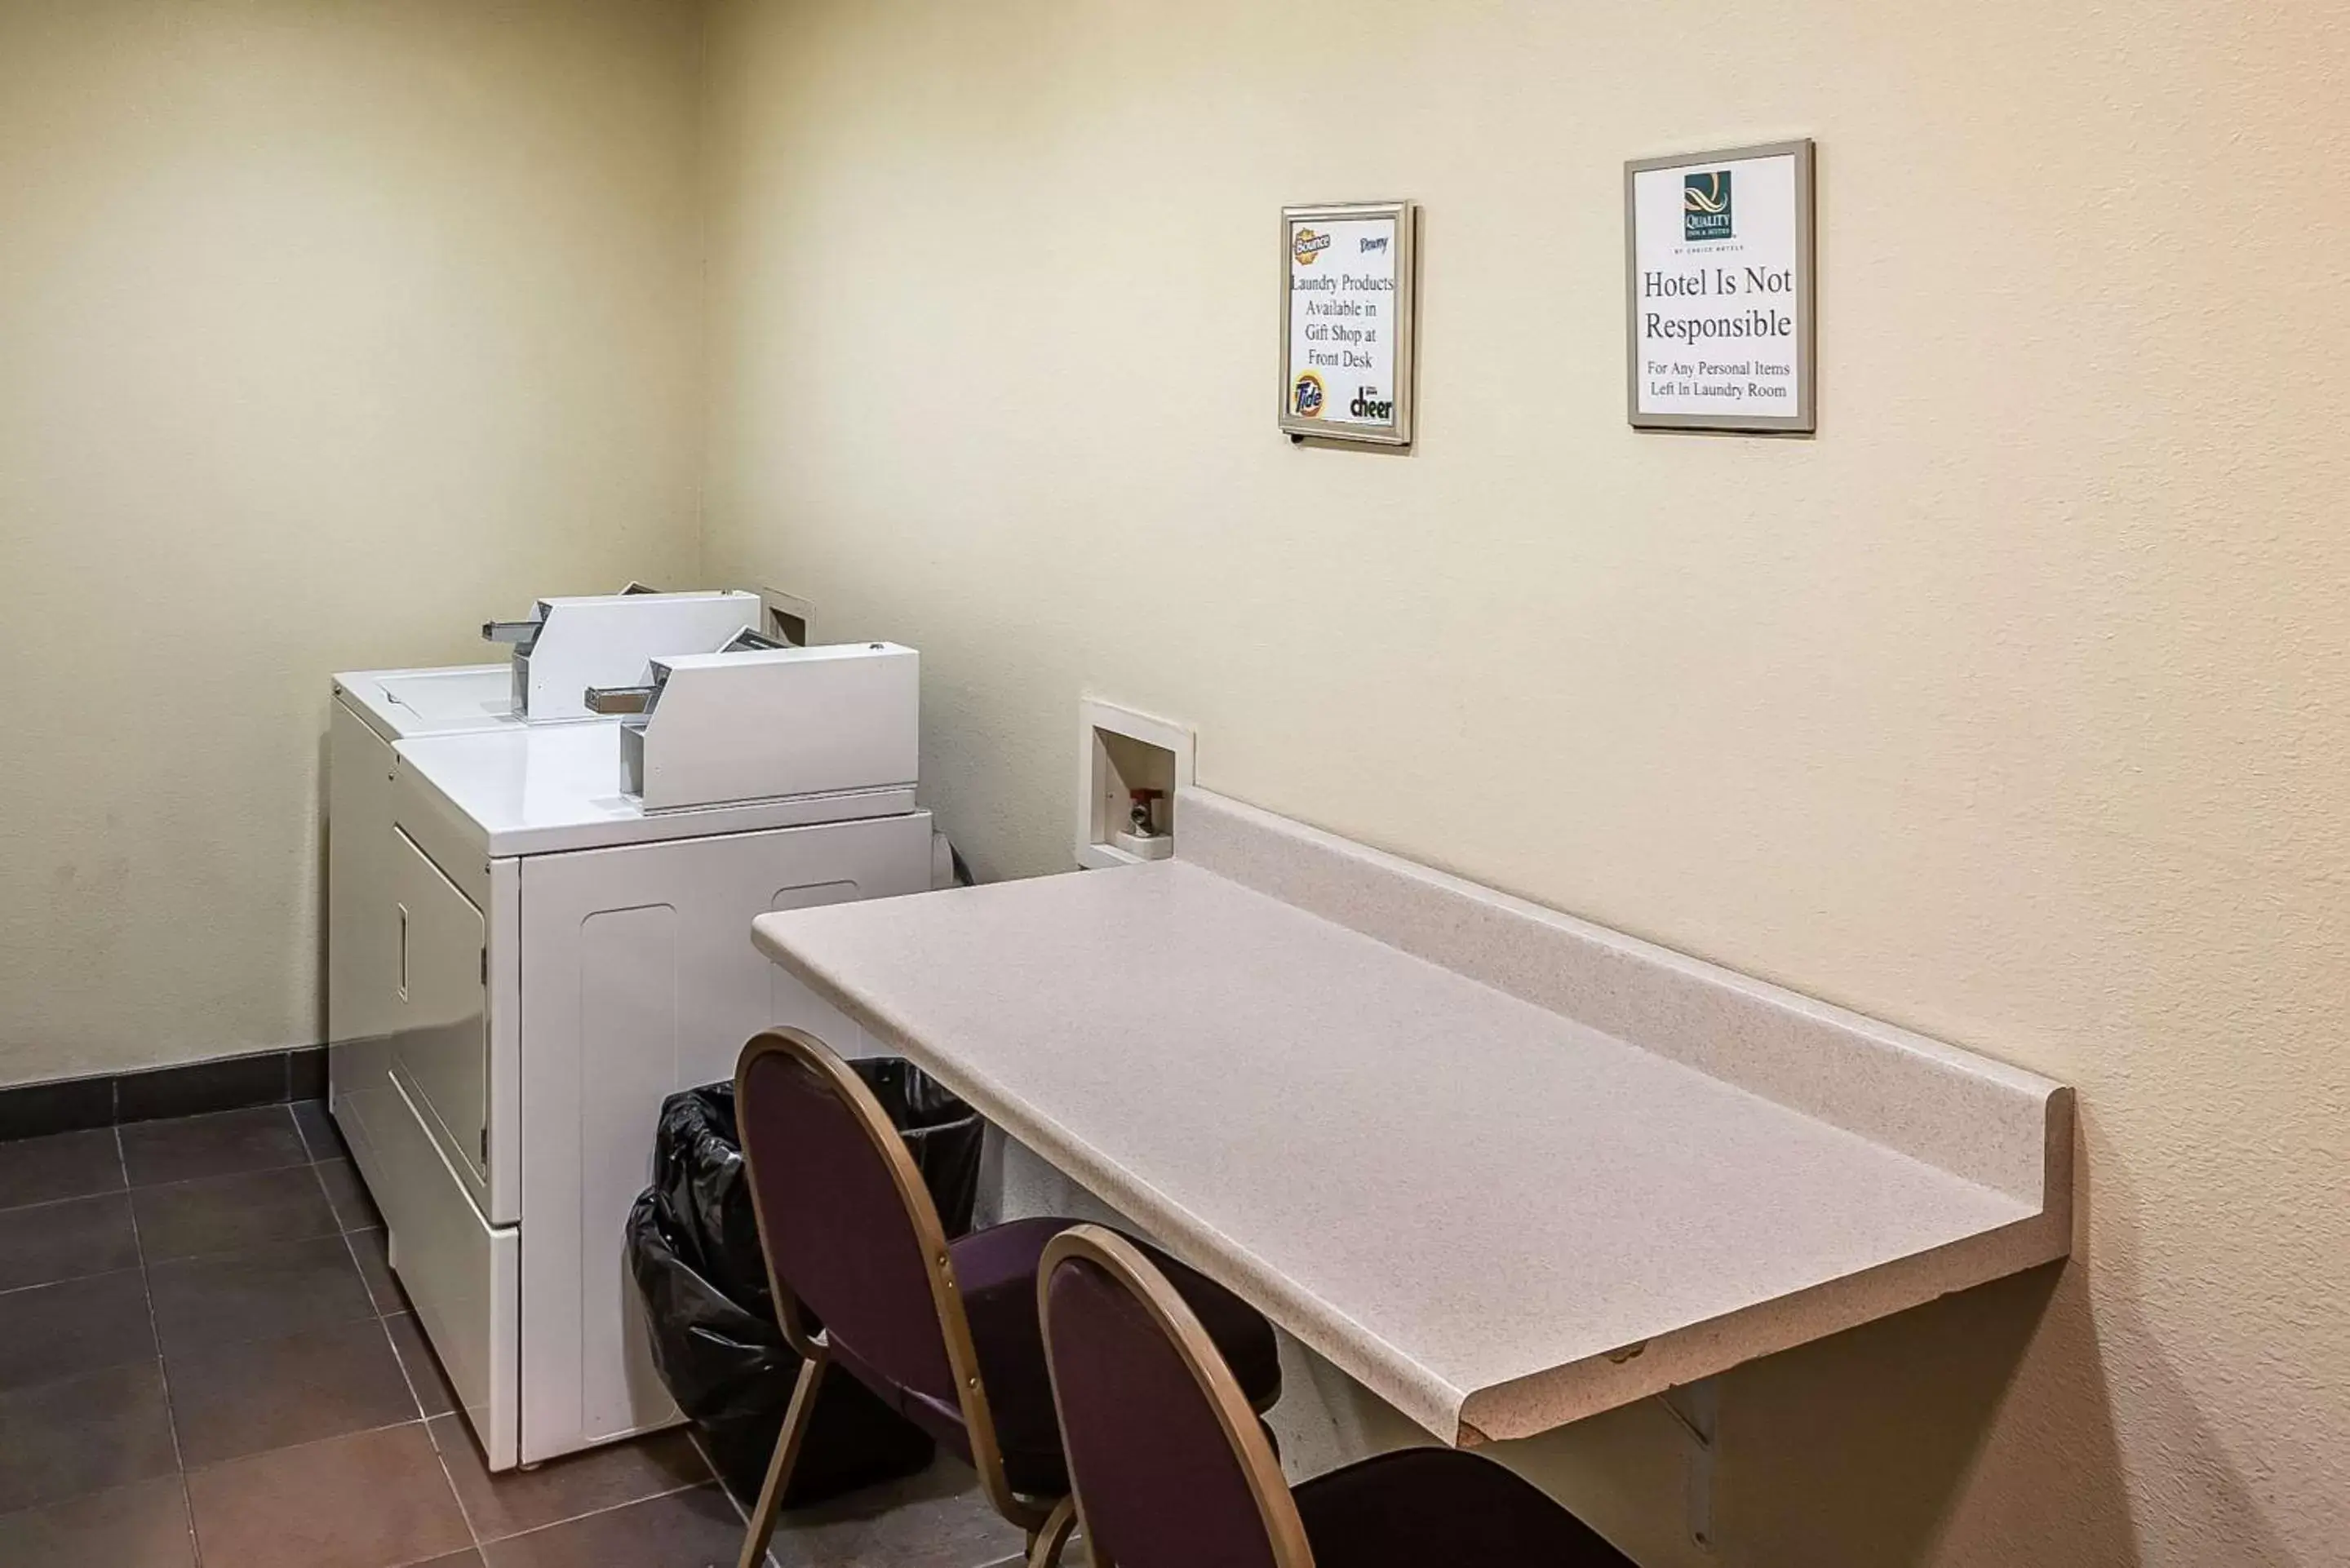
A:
<point x="328" y="329"/>
<point x="2014" y="708"/>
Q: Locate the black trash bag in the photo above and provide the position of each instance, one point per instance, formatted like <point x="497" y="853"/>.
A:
<point x="730" y="1371"/>
<point x="940" y="1132"/>
<point x="693" y="1246"/>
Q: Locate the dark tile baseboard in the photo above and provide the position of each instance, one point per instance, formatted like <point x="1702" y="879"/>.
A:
<point x="229" y="1084"/>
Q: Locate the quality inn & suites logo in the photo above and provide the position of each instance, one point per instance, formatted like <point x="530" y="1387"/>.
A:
<point x="1705" y="206"/>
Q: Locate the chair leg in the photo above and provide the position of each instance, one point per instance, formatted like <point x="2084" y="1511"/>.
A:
<point x="787" y="1457"/>
<point x="1052" y="1537"/>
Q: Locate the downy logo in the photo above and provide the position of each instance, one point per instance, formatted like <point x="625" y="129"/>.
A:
<point x="1705" y="206"/>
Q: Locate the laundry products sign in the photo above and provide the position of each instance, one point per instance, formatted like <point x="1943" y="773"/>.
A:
<point x="1346" y="321"/>
<point x="1717" y="257"/>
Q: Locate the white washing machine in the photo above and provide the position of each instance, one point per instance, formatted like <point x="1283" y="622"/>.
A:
<point x="567" y="645"/>
<point x="563" y="957"/>
<point x="371" y="711"/>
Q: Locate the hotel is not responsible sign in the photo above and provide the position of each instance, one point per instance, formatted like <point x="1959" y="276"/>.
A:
<point x="1718" y="260"/>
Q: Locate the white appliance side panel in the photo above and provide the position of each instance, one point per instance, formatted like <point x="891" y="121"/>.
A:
<point x="359" y="813"/>
<point x="639" y="979"/>
<point x="359" y="997"/>
<point x="463" y="1277"/>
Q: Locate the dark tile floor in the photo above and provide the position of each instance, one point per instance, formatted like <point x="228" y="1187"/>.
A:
<point x="205" y="1360"/>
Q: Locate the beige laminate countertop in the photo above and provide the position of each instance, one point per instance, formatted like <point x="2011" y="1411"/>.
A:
<point x="1497" y="1217"/>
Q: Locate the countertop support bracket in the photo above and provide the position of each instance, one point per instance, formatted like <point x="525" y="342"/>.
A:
<point x="1696" y="1407"/>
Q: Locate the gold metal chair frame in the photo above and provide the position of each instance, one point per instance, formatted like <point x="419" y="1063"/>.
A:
<point x="1047" y="1521"/>
<point x="1125" y="1263"/>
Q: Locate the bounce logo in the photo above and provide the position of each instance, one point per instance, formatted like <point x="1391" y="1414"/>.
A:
<point x="1705" y="206"/>
<point x="1306" y="245"/>
<point x="1305" y="398"/>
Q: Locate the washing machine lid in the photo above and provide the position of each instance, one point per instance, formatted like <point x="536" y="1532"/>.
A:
<point x="397" y="704"/>
<point x="545" y="789"/>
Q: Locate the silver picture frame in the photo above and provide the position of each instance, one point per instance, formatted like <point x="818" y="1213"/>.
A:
<point x="1805" y="420"/>
<point x="1406" y="218"/>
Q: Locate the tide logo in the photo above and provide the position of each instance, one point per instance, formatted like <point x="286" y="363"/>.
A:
<point x="1305" y="244"/>
<point x="1305" y="398"/>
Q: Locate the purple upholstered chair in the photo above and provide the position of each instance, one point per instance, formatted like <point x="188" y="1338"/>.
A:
<point x="1172" y="1468"/>
<point x="946" y="1333"/>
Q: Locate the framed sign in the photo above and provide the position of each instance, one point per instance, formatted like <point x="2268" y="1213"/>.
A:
<point x="1346" y="305"/>
<point x="1718" y="290"/>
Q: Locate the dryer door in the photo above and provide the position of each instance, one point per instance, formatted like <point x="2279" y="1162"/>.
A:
<point x="440" y="1045"/>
